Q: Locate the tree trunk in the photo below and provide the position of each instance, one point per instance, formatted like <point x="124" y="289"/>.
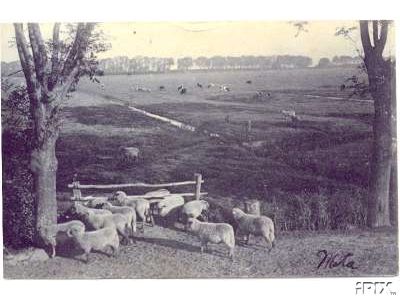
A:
<point x="379" y="74"/>
<point x="44" y="167"/>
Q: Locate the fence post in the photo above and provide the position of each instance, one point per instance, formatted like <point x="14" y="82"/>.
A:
<point x="198" y="179"/>
<point x="76" y="192"/>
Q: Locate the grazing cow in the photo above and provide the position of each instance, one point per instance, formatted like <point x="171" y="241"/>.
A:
<point x="129" y="154"/>
<point x="224" y="88"/>
<point x="142" y="89"/>
<point x="290" y="114"/>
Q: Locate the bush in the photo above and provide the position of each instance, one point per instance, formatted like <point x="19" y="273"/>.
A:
<point x="18" y="199"/>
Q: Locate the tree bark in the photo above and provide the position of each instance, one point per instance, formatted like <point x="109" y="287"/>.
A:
<point x="380" y="74"/>
<point x="44" y="168"/>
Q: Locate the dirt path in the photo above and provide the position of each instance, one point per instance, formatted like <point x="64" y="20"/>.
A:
<point x="166" y="253"/>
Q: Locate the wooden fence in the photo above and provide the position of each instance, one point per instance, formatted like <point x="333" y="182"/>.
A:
<point x="77" y="187"/>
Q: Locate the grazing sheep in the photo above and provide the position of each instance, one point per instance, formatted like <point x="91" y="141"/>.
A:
<point x="199" y="85"/>
<point x="80" y="209"/>
<point x="183" y="91"/>
<point x="51" y="233"/>
<point x="97" y="240"/>
<point x="213" y="233"/>
<point x="95" y="221"/>
<point x="95" y="202"/>
<point x="193" y="209"/>
<point x="141" y="206"/>
<point x="256" y="225"/>
<point x="127" y="211"/>
<point x="169" y="203"/>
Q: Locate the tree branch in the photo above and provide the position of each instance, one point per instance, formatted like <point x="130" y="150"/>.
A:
<point x="365" y="39"/>
<point x="38" y="51"/>
<point x="69" y="61"/>
<point x="375" y="32"/>
<point x="55" y="62"/>
<point x="383" y="37"/>
<point x="25" y="58"/>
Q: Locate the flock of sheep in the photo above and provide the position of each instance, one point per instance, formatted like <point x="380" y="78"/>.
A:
<point x="103" y="224"/>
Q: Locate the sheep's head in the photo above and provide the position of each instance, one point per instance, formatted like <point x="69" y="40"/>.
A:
<point x="237" y="213"/>
<point x="75" y="231"/>
<point x="119" y="197"/>
<point x="206" y="205"/>
<point x="106" y="205"/>
<point x="191" y="224"/>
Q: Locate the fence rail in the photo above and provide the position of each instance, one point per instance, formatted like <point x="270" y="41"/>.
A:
<point x="77" y="187"/>
<point x="126" y="185"/>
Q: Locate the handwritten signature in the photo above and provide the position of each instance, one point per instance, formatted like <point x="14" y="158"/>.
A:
<point x="334" y="260"/>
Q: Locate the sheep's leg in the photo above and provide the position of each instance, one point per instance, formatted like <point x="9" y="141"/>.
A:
<point x="231" y="252"/>
<point x="87" y="260"/>
<point x="269" y="244"/>
<point x="53" y="251"/>
<point x="247" y="239"/>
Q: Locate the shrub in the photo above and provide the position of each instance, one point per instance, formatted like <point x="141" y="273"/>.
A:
<point x="18" y="199"/>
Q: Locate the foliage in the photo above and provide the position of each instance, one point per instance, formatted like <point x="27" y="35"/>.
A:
<point x="18" y="199"/>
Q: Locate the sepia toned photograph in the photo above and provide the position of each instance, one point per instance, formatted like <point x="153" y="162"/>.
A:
<point x="214" y="149"/>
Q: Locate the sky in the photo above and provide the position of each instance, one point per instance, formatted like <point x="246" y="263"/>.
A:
<point x="179" y="39"/>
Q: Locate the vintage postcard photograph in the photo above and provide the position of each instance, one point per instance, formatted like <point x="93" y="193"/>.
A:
<point x="214" y="149"/>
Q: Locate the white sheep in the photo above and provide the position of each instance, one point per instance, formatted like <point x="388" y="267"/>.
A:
<point x="95" y="221"/>
<point x="255" y="225"/>
<point x="95" y="202"/>
<point x="193" y="209"/>
<point x="141" y="206"/>
<point x="127" y="211"/>
<point x="169" y="203"/>
<point x="51" y="233"/>
<point x="97" y="240"/>
<point x="213" y="233"/>
<point x="80" y="209"/>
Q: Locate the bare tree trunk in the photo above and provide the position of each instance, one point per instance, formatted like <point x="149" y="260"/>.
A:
<point x="378" y="205"/>
<point x="380" y="73"/>
<point x="44" y="168"/>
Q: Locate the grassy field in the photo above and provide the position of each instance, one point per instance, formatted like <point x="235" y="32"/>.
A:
<point x="309" y="175"/>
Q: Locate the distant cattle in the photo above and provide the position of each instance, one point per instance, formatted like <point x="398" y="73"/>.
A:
<point x="199" y="85"/>
<point x="290" y="114"/>
<point x="224" y="88"/>
<point x="142" y="89"/>
<point x="249" y="82"/>
<point x="129" y="154"/>
<point x="180" y="87"/>
<point x="183" y="91"/>
<point x="161" y="88"/>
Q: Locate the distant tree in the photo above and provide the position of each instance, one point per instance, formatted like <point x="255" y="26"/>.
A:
<point x="324" y="62"/>
<point x="51" y="70"/>
<point x="185" y="63"/>
<point x="202" y="62"/>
